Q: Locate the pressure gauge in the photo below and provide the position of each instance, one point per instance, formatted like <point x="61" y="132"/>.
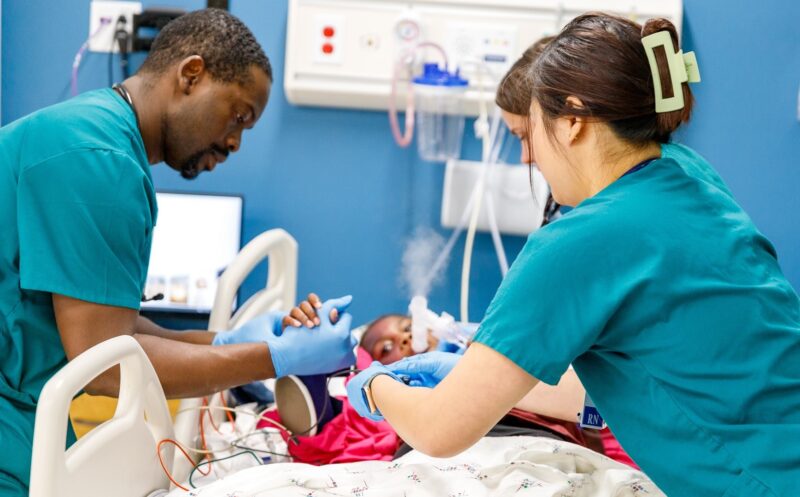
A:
<point x="407" y="28"/>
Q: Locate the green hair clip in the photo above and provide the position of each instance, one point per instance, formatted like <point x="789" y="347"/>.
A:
<point x="682" y="68"/>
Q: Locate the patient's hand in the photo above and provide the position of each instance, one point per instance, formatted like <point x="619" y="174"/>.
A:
<point x="305" y="313"/>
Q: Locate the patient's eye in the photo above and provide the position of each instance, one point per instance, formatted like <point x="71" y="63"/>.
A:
<point x="387" y="347"/>
<point x="407" y="327"/>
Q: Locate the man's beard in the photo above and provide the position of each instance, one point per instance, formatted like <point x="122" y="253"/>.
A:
<point x="190" y="167"/>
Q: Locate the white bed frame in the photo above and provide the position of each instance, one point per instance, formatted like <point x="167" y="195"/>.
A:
<point x="119" y="457"/>
<point x="279" y="294"/>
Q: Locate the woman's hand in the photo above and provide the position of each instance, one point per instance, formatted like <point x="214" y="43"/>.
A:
<point x="357" y="395"/>
<point x="425" y="370"/>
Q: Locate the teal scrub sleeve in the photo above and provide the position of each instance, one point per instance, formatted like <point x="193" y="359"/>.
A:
<point x="85" y="224"/>
<point x="553" y="305"/>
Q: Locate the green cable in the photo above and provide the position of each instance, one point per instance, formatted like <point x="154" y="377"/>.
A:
<point x="209" y="461"/>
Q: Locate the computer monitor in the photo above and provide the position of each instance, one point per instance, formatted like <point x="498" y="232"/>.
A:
<point x="195" y="238"/>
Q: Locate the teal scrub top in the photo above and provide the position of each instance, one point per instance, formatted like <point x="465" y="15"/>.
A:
<point x="77" y="207"/>
<point x="679" y="322"/>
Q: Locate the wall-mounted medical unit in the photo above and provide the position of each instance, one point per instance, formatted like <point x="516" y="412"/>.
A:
<point x="343" y="53"/>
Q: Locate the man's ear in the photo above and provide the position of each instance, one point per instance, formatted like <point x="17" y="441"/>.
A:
<point x="191" y="71"/>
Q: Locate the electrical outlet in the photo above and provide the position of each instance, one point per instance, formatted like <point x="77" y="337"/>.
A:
<point x="328" y="44"/>
<point x="102" y="37"/>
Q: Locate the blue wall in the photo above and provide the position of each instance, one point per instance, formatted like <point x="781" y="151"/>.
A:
<point x="336" y="181"/>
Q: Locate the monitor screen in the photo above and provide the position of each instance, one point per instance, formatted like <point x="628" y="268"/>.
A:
<point x="195" y="238"/>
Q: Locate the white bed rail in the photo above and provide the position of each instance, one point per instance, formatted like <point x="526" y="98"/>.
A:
<point x="119" y="457"/>
<point x="279" y="293"/>
<point x="280" y="290"/>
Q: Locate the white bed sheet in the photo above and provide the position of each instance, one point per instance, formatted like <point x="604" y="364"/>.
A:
<point x="523" y="466"/>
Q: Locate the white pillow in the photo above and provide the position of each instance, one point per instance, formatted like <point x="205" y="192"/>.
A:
<point x="359" y="332"/>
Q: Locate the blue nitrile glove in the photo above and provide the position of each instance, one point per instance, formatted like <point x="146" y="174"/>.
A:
<point x="356" y="394"/>
<point x="444" y="346"/>
<point x="425" y="370"/>
<point x="261" y="328"/>
<point x="323" y="349"/>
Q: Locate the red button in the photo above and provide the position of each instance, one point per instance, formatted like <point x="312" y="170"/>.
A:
<point x="328" y="32"/>
<point x="327" y="48"/>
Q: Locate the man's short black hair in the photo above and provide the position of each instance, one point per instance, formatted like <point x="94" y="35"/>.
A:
<point x="226" y="45"/>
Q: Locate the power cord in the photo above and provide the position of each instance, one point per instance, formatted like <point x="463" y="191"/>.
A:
<point x="122" y="38"/>
<point x="122" y="41"/>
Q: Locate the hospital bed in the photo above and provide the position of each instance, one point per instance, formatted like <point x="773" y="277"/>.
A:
<point x="120" y="457"/>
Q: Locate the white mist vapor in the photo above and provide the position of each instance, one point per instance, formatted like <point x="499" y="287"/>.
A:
<point x="422" y="264"/>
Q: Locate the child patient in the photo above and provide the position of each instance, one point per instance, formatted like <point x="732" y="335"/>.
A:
<point x="388" y="339"/>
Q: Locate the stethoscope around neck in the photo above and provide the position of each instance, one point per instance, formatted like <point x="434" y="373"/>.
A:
<point x="125" y="94"/>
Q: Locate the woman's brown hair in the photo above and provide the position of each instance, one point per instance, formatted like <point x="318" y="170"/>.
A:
<point x="514" y="91"/>
<point x="514" y="96"/>
<point x="599" y="59"/>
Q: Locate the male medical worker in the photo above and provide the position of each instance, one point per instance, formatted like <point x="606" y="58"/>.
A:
<point x="77" y="207"/>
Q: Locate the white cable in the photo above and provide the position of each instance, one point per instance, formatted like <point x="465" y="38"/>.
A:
<point x="476" y="206"/>
<point x="468" y="245"/>
<point x="480" y="130"/>
<point x="493" y="166"/>
<point x="465" y="267"/>
<point x="460" y="227"/>
<point x="498" y="242"/>
<point x="231" y="444"/>
<point x="259" y="415"/>
<point x="490" y="152"/>
<point x="448" y="247"/>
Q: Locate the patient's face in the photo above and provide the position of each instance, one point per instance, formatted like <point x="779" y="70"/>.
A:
<point x="389" y="339"/>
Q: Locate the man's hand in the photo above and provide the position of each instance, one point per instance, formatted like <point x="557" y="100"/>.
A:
<point x="306" y="351"/>
<point x="186" y="368"/>
<point x="262" y="328"/>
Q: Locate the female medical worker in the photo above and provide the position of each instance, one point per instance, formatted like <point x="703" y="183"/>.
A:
<point x="657" y="287"/>
<point x="514" y="99"/>
<point x="77" y="210"/>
